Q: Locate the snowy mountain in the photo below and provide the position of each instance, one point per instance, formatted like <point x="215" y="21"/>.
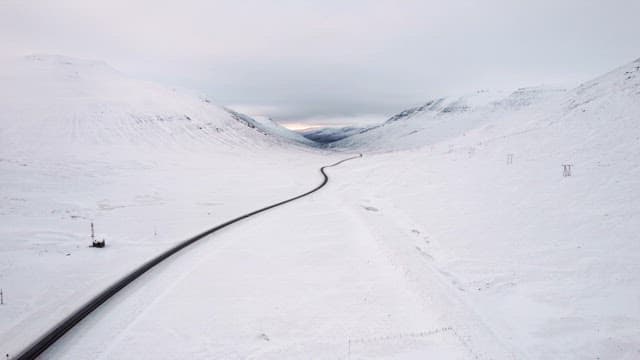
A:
<point x="487" y="226"/>
<point x="329" y="135"/>
<point x="268" y="126"/>
<point x="87" y="105"/>
<point x="444" y="118"/>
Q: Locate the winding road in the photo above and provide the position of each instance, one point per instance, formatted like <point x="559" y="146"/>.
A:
<point x="58" y="331"/>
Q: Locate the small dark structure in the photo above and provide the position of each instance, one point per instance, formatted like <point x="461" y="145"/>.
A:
<point x="98" y="243"/>
<point x="566" y="170"/>
<point x="94" y="242"/>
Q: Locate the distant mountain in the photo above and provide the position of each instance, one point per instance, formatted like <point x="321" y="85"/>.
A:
<point x="267" y="126"/>
<point x="329" y="135"/>
<point x="442" y="118"/>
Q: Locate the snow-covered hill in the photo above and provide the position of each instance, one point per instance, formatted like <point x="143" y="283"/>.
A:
<point x="275" y="128"/>
<point x="69" y="105"/>
<point x="444" y="118"/>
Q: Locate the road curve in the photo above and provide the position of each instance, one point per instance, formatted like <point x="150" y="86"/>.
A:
<point x="55" y="333"/>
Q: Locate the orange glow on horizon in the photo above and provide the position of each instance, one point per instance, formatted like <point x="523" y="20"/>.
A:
<point x="294" y="126"/>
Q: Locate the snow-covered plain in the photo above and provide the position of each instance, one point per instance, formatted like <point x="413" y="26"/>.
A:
<point x="456" y="236"/>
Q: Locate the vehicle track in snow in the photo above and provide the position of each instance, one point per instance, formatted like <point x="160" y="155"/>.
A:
<point x="50" y="337"/>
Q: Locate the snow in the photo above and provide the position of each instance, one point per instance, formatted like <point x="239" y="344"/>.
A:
<point x="272" y="127"/>
<point x="444" y="118"/>
<point x="81" y="143"/>
<point x="550" y="263"/>
<point x="456" y="235"/>
<point x="329" y="135"/>
<point x="310" y="289"/>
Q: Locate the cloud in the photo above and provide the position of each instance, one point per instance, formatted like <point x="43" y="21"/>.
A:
<point x="312" y="59"/>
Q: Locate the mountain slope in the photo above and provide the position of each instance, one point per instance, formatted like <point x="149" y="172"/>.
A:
<point x="267" y="126"/>
<point x="63" y="104"/>
<point x="444" y="118"/>
<point x="329" y="135"/>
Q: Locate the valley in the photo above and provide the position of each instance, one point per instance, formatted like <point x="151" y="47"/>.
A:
<point x="457" y="234"/>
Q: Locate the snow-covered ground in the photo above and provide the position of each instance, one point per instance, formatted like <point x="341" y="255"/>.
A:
<point x="551" y="264"/>
<point x="149" y="166"/>
<point x="456" y="236"/>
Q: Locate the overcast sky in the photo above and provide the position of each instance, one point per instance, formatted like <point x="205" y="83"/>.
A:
<point x="333" y="60"/>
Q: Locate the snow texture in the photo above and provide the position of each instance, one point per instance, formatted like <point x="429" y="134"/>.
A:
<point x="456" y="236"/>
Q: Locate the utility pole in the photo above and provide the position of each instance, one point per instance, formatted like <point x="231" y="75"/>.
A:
<point x="1" y="297"/>
<point x="93" y="236"/>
